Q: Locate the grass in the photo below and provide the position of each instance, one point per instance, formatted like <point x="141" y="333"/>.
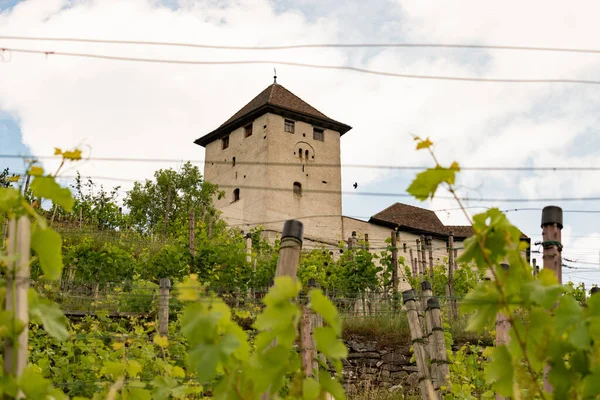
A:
<point x="390" y="329"/>
<point x="387" y="328"/>
<point x="382" y="394"/>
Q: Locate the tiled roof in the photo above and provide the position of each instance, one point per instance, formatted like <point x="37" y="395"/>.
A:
<point x="279" y="96"/>
<point x="420" y="220"/>
<point x="277" y="99"/>
<point x="404" y="215"/>
<point x="460" y="231"/>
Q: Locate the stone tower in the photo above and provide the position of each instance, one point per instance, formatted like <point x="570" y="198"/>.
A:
<point x="278" y="158"/>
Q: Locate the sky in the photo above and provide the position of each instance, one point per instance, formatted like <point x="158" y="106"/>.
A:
<point x="126" y="109"/>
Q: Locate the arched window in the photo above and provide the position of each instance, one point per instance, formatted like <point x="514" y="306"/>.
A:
<point x="236" y="194"/>
<point x="298" y="188"/>
<point x="306" y="154"/>
<point x="300" y="153"/>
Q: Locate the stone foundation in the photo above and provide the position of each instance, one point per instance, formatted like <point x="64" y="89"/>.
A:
<point x="370" y="366"/>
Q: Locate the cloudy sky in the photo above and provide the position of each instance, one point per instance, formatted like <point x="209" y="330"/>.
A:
<point x="127" y="109"/>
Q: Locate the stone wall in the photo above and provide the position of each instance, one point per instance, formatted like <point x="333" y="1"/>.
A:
<point x="370" y="366"/>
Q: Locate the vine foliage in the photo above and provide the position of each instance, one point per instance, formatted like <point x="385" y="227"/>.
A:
<point x="550" y="330"/>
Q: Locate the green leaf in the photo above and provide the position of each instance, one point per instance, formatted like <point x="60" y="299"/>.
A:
<point x="500" y="371"/>
<point x="133" y="368"/>
<point x="47" y="244"/>
<point x="53" y="319"/>
<point x="542" y="291"/>
<point x="591" y="383"/>
<point x="283" y="290"/>
<point x="322" y="305"/>
<point x="9" y="199"/>
<point x="47" y="188"/>
<point x="138" y="394"/>
<point x="426" y="183"/>
<point x="162" y="387"/>
<point x="204" y="359"/>
<point x="33" y="385"/>
<point x="310" y="389"/>
<point x="332" y="386"/>
<point x="113" y="369"/>
<point x="329" y="344"/>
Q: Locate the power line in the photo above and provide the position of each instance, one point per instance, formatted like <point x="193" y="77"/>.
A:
<point x="307" y="45"/>
<point x="296" y="164"/>
<point x="369" y="194"/>
<point x="294" y="64"/>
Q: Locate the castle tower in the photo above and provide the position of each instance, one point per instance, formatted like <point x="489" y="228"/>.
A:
<point x="278" y="158"/>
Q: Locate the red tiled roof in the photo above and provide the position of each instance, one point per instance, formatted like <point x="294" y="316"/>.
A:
<point x="421" y="220"/>
<point x="404" y="215"/>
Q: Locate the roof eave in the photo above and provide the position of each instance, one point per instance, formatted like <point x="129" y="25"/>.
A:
<point x="270" y="108"/>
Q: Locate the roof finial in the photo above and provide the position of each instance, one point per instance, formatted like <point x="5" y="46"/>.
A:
<point x="275" y="75"/>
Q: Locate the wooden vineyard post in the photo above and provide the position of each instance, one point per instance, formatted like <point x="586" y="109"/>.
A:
<point x="416" y="335"/>
<point x="430" y="250"/>
<point x="536" y="270"/>
<point x="394" y="262"/>
<point x="502" y="329"/>
<point x="412" y="263"/>
<point x="439" y="360"/>
<point x="290" y="248"/>
<point x="453" y="311"/>
<point x="424" y="316"/>
<point x="552" y="224"/>
<point x="309" y="322"/>
<point x="419" y="270"/>
<point x="163" y="307"/>
<point x="17" y="288"/>
<point x="289" y="258"/>
<point x="350" y="248"/>
<point x="249" y="248"/>
<point x="423" y="256"/>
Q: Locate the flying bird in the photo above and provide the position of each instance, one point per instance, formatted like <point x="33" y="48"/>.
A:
<point x="355" y="185"/>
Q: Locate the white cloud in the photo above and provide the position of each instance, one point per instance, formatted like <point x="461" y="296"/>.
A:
<point x="153" y="110"/>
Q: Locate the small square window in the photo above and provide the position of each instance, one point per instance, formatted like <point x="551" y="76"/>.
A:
<point x="289" y="126"/>
<point x="318" y="134"/>
<point x="248" y="130"/>
<point x="225" y="142"/>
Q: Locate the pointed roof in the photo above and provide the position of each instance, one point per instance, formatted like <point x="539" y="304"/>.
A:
<point x="277" y="100"/>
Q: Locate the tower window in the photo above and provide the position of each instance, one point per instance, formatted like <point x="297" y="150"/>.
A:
<point x="289" y="126"/>
<point x="233" y="162"/>
<point x="248" y="130"/>
<point x="236" y="194"/>
<point x="225" y="142"/>
<point x="300" y="153"/>
<point x="298" y="188"/>
<point x="318" y="134"/>
<point x="306" y="154"/>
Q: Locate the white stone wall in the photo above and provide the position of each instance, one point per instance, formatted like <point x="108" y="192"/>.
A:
<point x="272" y="200"/>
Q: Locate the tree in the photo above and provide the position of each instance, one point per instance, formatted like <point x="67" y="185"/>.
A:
<point x="7" y="179"/>
<point x="171" y="196"/>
